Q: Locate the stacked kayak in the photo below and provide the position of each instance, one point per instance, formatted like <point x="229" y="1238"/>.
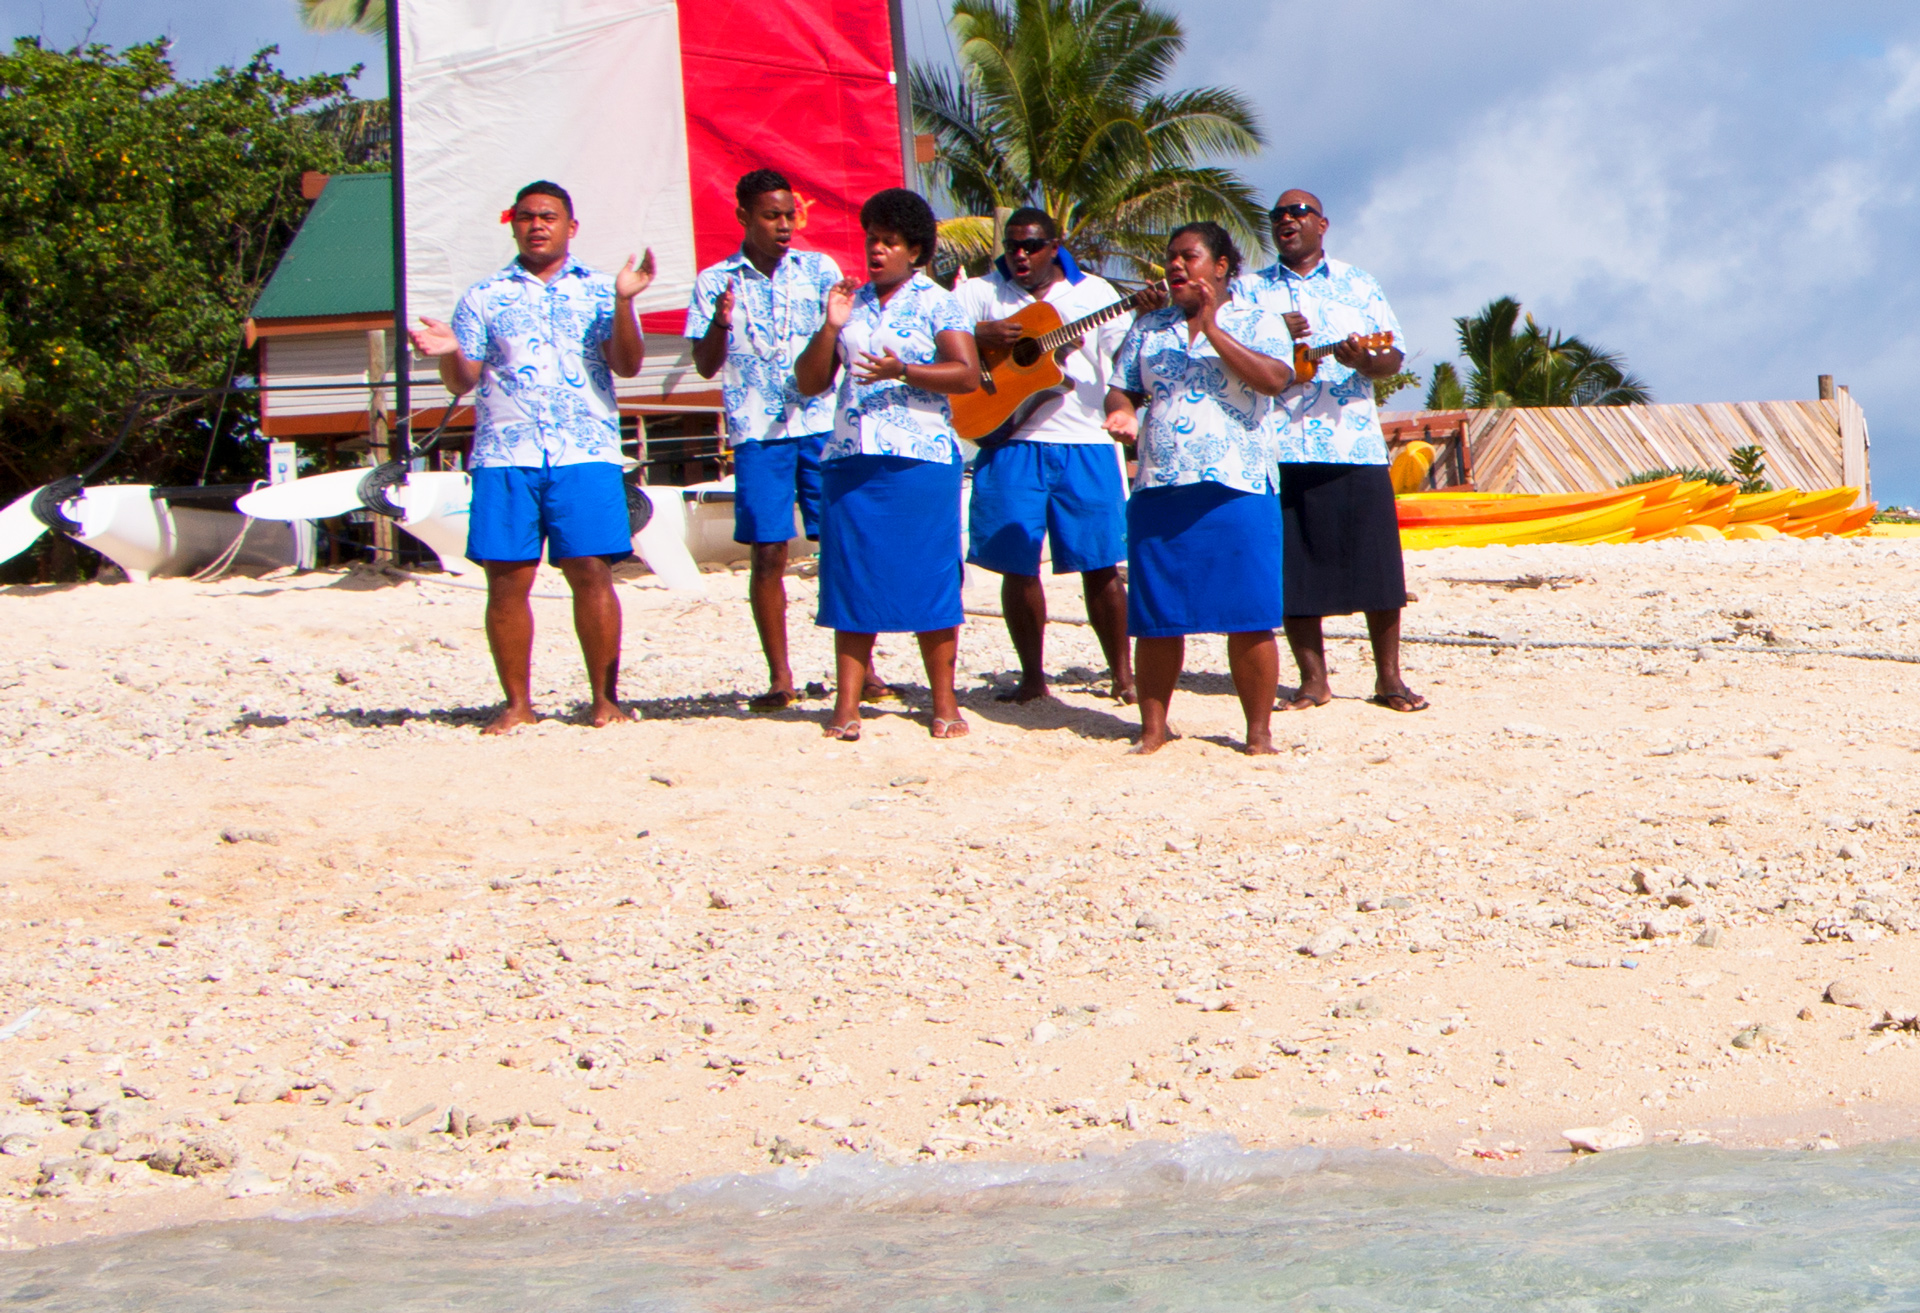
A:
<point x="1668" y="509"/>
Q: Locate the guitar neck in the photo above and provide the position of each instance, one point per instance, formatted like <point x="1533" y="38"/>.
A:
<point x="1074" y="331"/>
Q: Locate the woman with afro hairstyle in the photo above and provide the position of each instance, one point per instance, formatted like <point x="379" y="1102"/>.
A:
<point x="890" y="475"/>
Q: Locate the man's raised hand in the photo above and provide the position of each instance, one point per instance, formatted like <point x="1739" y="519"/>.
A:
<point x="840" y="303"/>
<point x="434" y="338"/>
<point x="631" y="281"/>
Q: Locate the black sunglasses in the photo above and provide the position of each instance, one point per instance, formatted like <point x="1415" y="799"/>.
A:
<point x="1030" y="246"/>
<point x="1298" y="210"/>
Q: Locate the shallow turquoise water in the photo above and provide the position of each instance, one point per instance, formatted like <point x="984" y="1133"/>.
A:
<point x="1201" y="1226"/>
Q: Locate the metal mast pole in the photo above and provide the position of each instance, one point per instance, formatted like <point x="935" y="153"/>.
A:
<point x="903" y="94"/>
<point x="401" y="442"/>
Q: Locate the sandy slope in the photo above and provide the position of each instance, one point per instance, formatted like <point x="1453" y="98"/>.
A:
<point x="271" y="894"/>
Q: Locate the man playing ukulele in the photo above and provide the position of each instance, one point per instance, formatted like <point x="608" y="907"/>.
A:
<point x="1060" y="477"/>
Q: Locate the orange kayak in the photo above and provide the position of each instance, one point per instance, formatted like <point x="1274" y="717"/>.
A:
<point x="1719" y="497"/>
<point x="1659" y="519"/>
<point x="1859" y="518"/>
<point x="1815" y="525"/>
<point x="1718" y="518"/>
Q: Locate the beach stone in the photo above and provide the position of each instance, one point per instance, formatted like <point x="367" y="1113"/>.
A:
<point x="265" y="1090"/>
<point x="1708" y="938"/>
<point x="91" y="1097"/>
<point x="250" y="1181"/>
<point x="1150" y="920"/>
<point x="247" y="834"/>
<point x="1851" y="851"/>
<point x="1044" y="1032"/>
<point x="1621" y="1133"/>
<point x="201" y="1156"/>
<point x="1661" y="925"/>
<point x="1590" y="963"/>
<point x="602" y="1144"/>
<point x="107" y="1142"/>
<point x="1846" y="994"/>
<point x="1366" y="1006"/>
<point x="1760" y="1036"/>
<point x="1328" y="942"/>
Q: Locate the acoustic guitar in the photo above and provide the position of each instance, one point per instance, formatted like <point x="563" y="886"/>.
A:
<point x="1306" y="359"/>
<point x="1016" y="379"/>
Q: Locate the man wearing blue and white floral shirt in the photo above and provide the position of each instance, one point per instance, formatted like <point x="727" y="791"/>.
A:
<point x="538" y="344"/>
<point x="1336" y="493"/>
<point x="751" y="316"/>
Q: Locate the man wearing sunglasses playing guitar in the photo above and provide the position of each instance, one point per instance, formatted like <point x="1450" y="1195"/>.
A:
<point x="1342" y="544"/>
<point x="1059" y="475"/>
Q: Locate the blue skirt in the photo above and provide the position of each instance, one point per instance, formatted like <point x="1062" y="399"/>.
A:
<point x="889" y="545"/>
<point x="1203" y="558"/>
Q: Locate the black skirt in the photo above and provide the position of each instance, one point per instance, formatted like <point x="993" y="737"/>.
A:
<point x="1342" y="550"/>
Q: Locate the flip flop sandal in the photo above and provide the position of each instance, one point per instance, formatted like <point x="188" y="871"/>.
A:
<point x="767" y="703"/>
<point x="1406" y="700"/>
<point x="847" y="733"/>
<point x="945" y="729"/>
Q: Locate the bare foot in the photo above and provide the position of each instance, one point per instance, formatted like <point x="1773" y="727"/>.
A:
<point x="879" y="693"/>
<point x="1126" y="697"/>
<point x="1151" y="743"/>
<point x="1259" y="745"/>
<point x="603" y="714"/>
<point x="1028" y="691"/>
<point x="510" y="719"/>
<point x="957" y="728"/>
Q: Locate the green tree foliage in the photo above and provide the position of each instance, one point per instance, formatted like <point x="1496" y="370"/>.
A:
<point x="140" y="215"/>
<point x="1749" y="465"/>
<point x="1060" y="104"/>
<point x="1392" y="383"/>
<point x="1537" y="366"/>
<point x="1444" y="390"/>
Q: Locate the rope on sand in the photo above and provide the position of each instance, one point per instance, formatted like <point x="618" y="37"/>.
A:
<point x="1602" y="644"/>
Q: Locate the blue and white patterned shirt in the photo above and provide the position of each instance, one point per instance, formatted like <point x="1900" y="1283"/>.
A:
<point x="1202" y="424"/>
<point x="890" y="418"/>
<point x="1333" y="418"/>
<point x="546" y="393"/>
<point x="773" y="320"/>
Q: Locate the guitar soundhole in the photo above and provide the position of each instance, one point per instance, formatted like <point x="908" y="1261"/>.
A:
<point x="1026" y="352"/>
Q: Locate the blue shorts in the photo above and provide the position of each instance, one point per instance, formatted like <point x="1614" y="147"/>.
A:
<point x="768" y="478"/>
<point x="1067" y="491"/>
<point x="576" y="510"/>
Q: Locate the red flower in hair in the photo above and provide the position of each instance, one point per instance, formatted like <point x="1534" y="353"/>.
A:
<point x="506" y="215"/>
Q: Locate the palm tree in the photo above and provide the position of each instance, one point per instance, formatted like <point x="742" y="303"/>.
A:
<point x="1059" y="104"/>
<point x="369" y="16"/>
<point x="1538" y="366"/>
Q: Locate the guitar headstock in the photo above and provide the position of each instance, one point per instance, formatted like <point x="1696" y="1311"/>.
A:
<point x="1374" y="343"/>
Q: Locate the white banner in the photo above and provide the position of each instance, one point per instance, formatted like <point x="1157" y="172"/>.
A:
<point x="585" y="93"/>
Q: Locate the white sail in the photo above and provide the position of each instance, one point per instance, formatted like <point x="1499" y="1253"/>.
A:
<point x="585" y="93"/>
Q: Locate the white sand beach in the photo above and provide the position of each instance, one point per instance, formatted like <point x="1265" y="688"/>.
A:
<point x="285" y="934"/>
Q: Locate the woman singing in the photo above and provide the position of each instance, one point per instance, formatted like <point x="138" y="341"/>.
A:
<point x="1203" y="524"/>
<point x="890" y="475"/>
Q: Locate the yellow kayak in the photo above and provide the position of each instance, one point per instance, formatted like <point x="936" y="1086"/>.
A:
<point x="1812" y="505"/>
<point x="1581" y="526"/>
<point x="1754" y="532"/>
<point x="1750" y="506"/>
<point x="1410" y="467"/>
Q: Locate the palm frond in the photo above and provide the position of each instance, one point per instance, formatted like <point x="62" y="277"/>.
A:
<point x="369" y="16"/>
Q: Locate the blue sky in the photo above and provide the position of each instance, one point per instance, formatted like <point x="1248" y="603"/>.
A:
<point x="1724" y="191"/>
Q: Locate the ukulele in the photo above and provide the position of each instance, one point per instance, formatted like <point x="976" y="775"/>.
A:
<point x="1016" y="379"/>
<point x="1306" y="359"/>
